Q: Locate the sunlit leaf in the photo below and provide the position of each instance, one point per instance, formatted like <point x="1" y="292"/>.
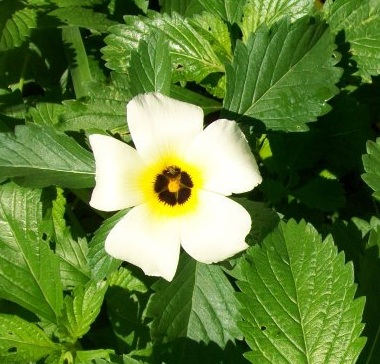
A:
<point x="22" y="341"/>
<point x="40" y="157"/>
<point x="371" y="162"/>
<point x="298" y="300"/>
<point x="285" y="87"/>
<point x="25" y="257"/>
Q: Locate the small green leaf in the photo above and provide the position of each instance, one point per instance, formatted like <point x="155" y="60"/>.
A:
<point x="285" y="87"/>
<point x="81" y="309"/>
<point x="198" y="304"/>
<point x="22" y="341"/>
<point x="229" y="10"/>
<point x="25" y="258"/>
<point x="371" y="162"/>
<point x="258" y="12"/>
<point x="360" y="21"/>
<point x="101" y="263"/>
<point x="150" y="66"/>
<point x="297" y="297"/>
<point x="39" y="156"/>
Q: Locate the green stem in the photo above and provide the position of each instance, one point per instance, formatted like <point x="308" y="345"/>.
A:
<point x="77" y="59"/>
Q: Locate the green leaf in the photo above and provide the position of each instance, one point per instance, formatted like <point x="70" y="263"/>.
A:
<point x="258" y="12"/>
<point x="186" y="8"/>
<point x="150" y="66"/>
<point x="22" y="341"/>
<point x="81" y="309"/>
<point x="371" y="162"/>
<point x="17" y="28"/>
<point x="39" y="156"/>
<point x="285" y="87"/>
<point x="82" y="17"/>
<point x="228" y="10"/>
<point x="25" y="258"/>
<point x="360" y="21"/>
<point x="102" y="264"/>
<point x="72" y="253"/>
<point x="198" y="304"/>
<point x="192" y="55"/>
<point x="126" y="298"/>
<point x="297" y="297"/>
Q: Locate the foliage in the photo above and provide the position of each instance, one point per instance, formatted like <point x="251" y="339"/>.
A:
<point x="300" y="77"/>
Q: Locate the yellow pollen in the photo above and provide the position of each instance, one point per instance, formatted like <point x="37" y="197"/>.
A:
<point x="174" y="184"/>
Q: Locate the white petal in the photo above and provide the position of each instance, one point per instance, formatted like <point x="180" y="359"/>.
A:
<point x="217" y="230"/>
<point x="156" y="122"/>
<point x="117" y="166"/>
<point x="147" y="242"/>
<point x="224" y="155"/>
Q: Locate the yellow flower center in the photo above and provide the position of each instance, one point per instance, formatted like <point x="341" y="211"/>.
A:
<point x="171" y="186"/>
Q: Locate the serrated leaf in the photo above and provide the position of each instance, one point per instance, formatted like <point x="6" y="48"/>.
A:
<point x="258" y="12"/>
<point x="18" y="28"/>
<point x="82" y="17"/>
<point x="39" y="156"/>
<point x="192" y="56"/>
<point x="101" y="263"/>
<point x="22" y="341"/>
<point x="81" y="309"/>
<point x="285" y="87"/>
<point x="360" y="21"/>
<point x="186" y="8"/>
<point x="297" y="297"/>
<point x="228" y="10"/>
<point x="150" y="66"/>
<point x="29" y="271"/>
<point x="371" y="162"/>
<point x="198" y="304"/>
<point x="72" y="253"/>
<point x="104" y="109"/>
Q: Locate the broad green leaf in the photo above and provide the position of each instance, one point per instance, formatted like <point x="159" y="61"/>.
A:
<point x="17" y="28"/>
<point x="192" y="55"/>
<point x="72" y="253"/>
<point x="39" y="156"/>
<point x="82" y="17"/>
<point x="371" y="162"/>
<point x="22" y="341"/>
<point x="29" y="271"/>
<point x="102" y="264"/>
<point x="150" y="66"/>
<point x="81" y="309"/>
<point x="360" y="21"/>
<point x="297" y="298"/>
<point x="186" y="8"/>
<point x="258" y="12"/>
<point x="285" y="87"/>
<point x="198" y="304"/>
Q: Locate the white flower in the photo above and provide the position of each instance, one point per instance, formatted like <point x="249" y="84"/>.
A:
<point x="176" y="181"/>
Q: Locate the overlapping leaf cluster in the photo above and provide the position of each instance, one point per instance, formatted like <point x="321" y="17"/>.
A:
<point x="301" y="78"/>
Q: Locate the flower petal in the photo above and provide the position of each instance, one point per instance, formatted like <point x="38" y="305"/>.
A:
<point x="117" y="166"/>
<point x="147" y="242"/>
<point x="223" y="153"/>
<point x="157" y="121"/>
<point x="217" y="230"/>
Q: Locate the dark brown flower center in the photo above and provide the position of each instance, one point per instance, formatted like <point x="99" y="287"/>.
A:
<point x="173" y="186"/>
